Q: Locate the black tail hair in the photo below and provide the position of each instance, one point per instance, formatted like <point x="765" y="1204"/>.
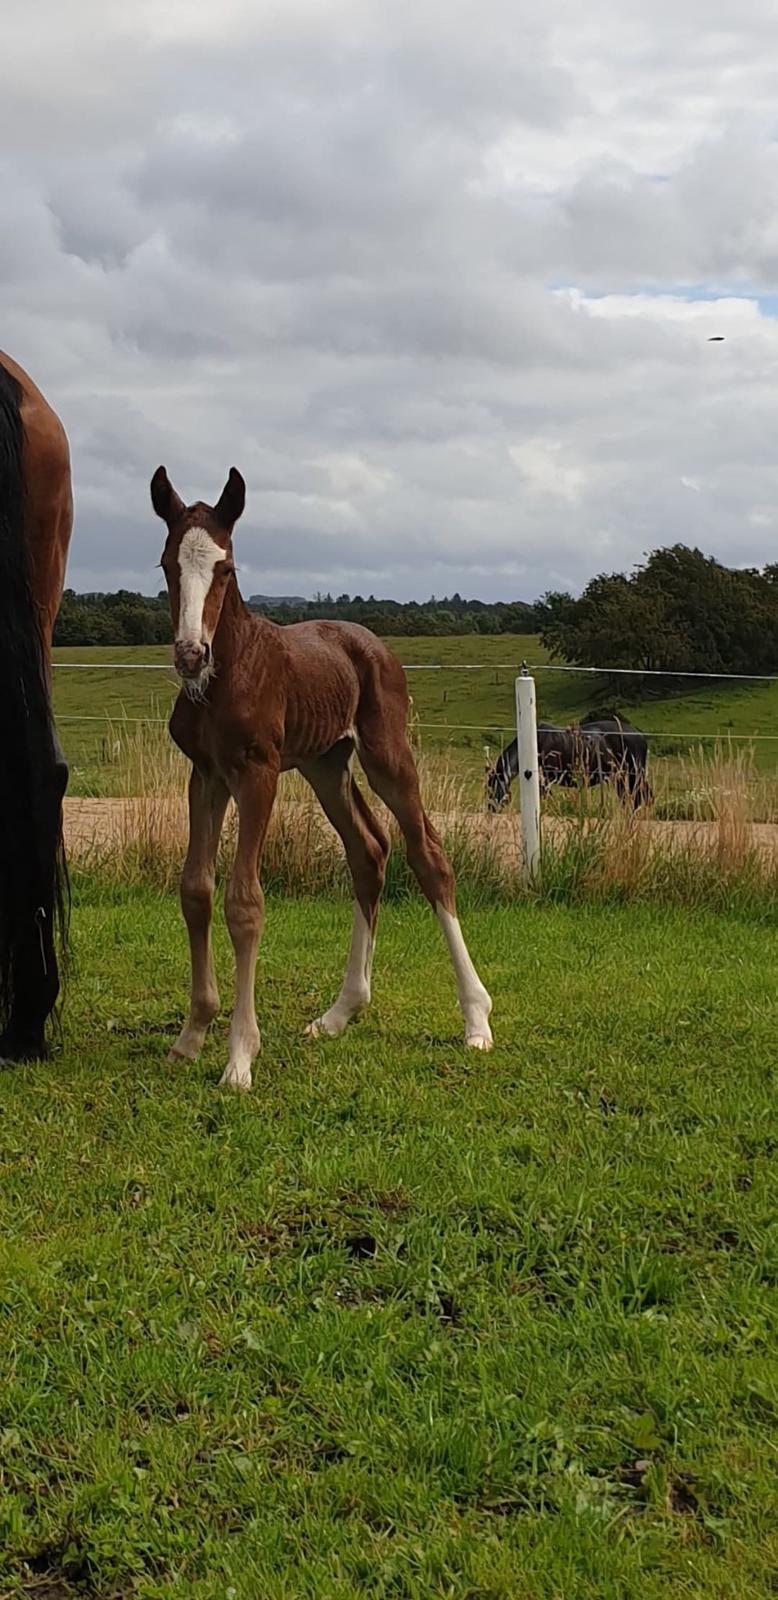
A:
<point x="34" y="889"/>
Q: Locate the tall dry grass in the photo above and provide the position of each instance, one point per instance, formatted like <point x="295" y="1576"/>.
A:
<point x="141" y="836"/>
<point x="593" y="847"/>
<point x="707" y="844"/>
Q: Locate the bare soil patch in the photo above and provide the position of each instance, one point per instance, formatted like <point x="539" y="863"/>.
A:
<point x="96" y="826"/>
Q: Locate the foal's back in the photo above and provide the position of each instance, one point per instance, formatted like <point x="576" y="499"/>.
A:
<point x="327" y="645"/>
<point x="339" y="679"/>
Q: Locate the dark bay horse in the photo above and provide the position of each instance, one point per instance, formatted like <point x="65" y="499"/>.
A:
<point x="258" y="699"/>
<point x="600" y="750"/>
<point x="36" y="519"/>
<point x="629" y="748"/>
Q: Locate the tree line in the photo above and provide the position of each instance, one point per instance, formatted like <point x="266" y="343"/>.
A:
<point x="680" y="612"/>
<point x="128" y="618"/>
<point x="110" y="619"/>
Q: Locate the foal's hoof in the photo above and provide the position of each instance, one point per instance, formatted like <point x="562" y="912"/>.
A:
<point x="236" y="1077"/>
<point x="188" y="1045"/>
<point x="322" y="1029"/>
<point x="325" y="1028"/>
<point x="479" y="1041"/>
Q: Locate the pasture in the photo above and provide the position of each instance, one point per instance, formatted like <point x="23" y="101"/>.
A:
<point x="457" y="711"/>
<point x="399" y="1323"/>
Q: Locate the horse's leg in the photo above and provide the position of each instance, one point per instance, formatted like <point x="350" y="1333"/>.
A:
<point x="208" y="798"/>
<point x="626" y="776"/>
<point x="639" y="787"/>
<point x="367" y="851"/>
<point x="244" y="909"/>
<point x="644" y="794"/>
<point x="388" y="762"/>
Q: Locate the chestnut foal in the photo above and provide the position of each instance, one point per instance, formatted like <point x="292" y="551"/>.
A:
<point x="258" y="699"/>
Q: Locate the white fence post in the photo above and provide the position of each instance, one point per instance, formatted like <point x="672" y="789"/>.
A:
<point x="529" y="775"/>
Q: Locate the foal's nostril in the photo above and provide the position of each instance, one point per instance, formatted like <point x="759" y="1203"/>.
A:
<point x="206" y="653"/>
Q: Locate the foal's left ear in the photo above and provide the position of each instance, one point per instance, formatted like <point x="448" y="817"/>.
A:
<point x="231" y="500"/>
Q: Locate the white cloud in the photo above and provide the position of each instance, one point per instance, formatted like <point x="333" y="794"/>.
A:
<point x="543" y="468"/>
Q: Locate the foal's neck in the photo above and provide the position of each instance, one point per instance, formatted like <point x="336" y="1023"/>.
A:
<point x="235" y="626"/>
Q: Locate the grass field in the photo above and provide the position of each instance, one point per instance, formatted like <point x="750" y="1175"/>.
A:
<point x="462" y="710"/>
<point x="399" y="1323"/>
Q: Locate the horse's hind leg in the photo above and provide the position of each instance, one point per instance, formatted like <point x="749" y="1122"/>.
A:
<point x="388" y="762"/>
<point x="367" y="850"/>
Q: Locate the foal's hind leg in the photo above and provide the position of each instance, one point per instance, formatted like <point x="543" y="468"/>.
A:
<point x="367" y="850"/>
<point x="391" y="771"/>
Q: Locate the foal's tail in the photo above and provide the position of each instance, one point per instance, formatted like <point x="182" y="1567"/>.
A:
<point x="34" y="895"/>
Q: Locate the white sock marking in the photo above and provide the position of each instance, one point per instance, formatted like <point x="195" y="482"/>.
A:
<point x="355" y="990"/>
<point x="244" y="1044"/>
<point x="474" y="999"/>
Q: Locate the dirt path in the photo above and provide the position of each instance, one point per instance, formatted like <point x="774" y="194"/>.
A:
<point x="97" y="825"/>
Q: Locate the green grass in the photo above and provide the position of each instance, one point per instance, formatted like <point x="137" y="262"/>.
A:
<point x="399" y="1323"/>
<point x="463" y="710"/>
<point x="93" y="705"/>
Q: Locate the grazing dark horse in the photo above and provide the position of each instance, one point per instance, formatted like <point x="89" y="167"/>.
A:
<point x="568" y="756"/>
<point x="258" y="699"/>
<point x="601" y="750"/>
<point x="629" y="747"/>
<point x="36" y="518"/>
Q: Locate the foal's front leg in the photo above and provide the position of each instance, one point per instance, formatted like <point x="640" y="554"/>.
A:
<point x="208" y="798"/>
<point x="244" y="909"/>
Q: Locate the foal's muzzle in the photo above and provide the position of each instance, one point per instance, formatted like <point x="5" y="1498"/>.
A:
<point x="192" y="657"/>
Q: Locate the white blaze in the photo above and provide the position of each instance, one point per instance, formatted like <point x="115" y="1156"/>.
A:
<point x="197" y="556"/>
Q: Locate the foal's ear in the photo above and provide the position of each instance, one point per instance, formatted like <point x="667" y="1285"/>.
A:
<point x="167" y="504"/>
<point x="231" y="500"/>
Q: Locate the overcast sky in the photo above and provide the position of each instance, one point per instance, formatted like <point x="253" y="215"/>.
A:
<point x="438" y="278"/>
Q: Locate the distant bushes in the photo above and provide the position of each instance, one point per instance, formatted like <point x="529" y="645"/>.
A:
<point x="127" y="618"/>
<point x="452" y="615"/>
<point x="681" y="612"/>
<point x="121" y="618"/>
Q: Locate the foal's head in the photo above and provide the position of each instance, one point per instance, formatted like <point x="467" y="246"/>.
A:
<point x="197" y="563"/>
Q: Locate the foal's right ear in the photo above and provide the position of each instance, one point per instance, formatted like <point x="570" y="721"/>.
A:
<point x="167" y="504"/>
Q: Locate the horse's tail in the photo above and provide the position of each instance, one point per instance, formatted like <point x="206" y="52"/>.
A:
<point x="34" y="893"/>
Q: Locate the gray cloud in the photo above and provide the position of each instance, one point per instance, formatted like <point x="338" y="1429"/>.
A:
<point x="439" y="280"/>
